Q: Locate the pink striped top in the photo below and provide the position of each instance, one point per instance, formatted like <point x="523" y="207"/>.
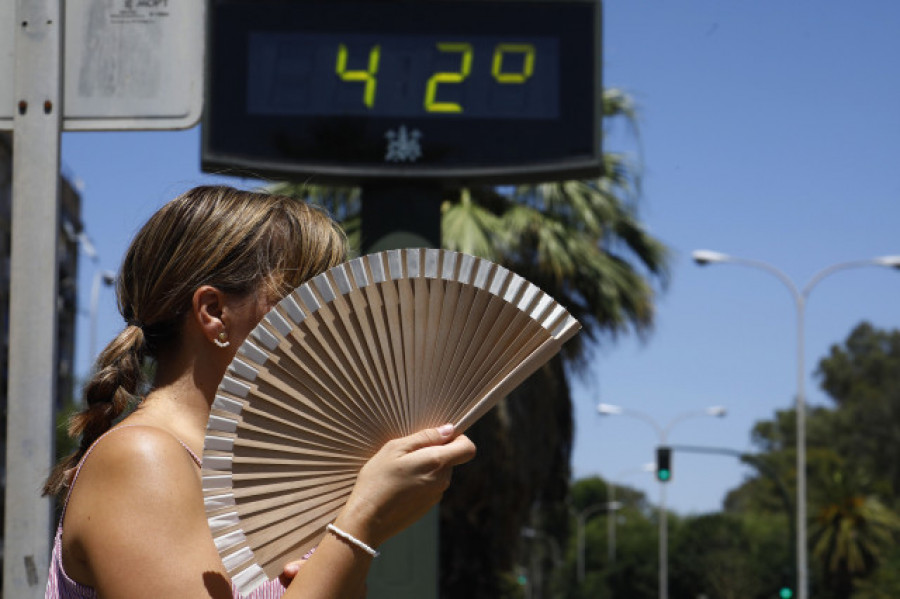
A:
<point x="60" y="586"/>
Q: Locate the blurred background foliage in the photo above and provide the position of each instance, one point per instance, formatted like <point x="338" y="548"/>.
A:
<point x="746" y="550"/>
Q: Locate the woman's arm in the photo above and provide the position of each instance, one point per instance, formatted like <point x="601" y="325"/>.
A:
<point x="138" y="528"/>
<point x="395" y="488"/>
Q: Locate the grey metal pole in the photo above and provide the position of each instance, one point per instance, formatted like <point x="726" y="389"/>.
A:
<point x="766" y="470"/>
<point x="611" y="532"/>
<point x="662" y="433"/>
<point x="611" y="522"/>
<point x="95" y="300"/>
<point x="802" y="551"/>
<point x="800" y="297"/>
<point x="33" y="295"/>
<point x="663" y="544"/>
<point x="580" y="524"/>
<point x="611" y="527"/>
<point x="103" y="277"/>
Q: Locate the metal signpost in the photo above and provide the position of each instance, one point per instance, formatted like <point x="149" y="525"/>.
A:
<point x="32" y="304"/>
<point x="125" y="64"/>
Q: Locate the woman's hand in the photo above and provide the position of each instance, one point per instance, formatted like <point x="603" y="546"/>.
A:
<point x="394" y="489"/>
<point x="401" y="482"/>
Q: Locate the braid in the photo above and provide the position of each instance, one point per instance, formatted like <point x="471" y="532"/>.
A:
<point x="106" y="395"/>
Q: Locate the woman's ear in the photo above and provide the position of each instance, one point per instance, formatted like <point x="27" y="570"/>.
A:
<point x="208" y="305"/>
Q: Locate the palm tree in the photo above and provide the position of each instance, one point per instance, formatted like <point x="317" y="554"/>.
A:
<point x="852" y="532"/>
<point x="582" y="243"/>
<point x="884" y="583"/>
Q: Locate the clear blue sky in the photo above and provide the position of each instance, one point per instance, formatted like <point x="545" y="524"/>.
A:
<point x="768" y="130"/>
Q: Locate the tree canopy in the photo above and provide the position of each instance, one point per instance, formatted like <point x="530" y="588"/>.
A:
<point x="746" y="550"/>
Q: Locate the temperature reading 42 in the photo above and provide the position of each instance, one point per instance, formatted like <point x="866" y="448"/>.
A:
<point x="446" y="91"/>
<point x="403" y="75"/>
<point x="521" y="54"/>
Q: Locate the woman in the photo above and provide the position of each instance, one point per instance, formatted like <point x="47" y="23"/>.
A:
<point x="196" y="280"/>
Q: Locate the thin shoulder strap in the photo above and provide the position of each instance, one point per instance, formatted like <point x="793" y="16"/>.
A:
<point x="91" y="448"/>
<point x="190" y="451"/>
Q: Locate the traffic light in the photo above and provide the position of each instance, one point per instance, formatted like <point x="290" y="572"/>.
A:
<point x="786" y="589"/>
<point x="663" y="464"/>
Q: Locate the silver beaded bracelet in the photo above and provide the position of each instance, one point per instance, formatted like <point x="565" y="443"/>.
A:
<point x="352" y="540"/>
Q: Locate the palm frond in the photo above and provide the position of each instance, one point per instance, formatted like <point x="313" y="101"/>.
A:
<point x="468" y="227"/>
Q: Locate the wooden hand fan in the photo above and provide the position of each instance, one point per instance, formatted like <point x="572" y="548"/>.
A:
<point x="373" y="349"/>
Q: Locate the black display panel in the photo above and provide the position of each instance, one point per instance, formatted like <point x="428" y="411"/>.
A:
<point x="454" y="90"/>
<point x="294" y="74"/>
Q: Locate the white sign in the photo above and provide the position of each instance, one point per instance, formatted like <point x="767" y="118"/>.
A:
<point x="128" y="64"/>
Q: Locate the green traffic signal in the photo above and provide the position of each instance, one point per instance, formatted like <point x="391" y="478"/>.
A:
<point x="786" y="593"/>
<point x="663" y="464"/>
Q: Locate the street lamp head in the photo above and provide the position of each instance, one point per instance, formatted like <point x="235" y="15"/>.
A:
<point x="889" y="261"/>
<point x="717" y="411"/>
<point x="108" y="277"/>
<point x="88" y="246"/>
<point x="608" y="409"/>
<point x="703" y="257"/>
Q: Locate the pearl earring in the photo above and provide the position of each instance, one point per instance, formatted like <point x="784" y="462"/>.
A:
<point x="222" y="340"/>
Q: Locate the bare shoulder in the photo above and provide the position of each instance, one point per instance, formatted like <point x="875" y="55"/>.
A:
<point x="134" y="455"/>
<point x="137" y="482"/>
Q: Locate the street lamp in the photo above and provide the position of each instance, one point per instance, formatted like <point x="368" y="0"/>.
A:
<point x="662" y="432"/>
<point x="107" y="278"/>
<point x="800" y="295"/>
<point x="581" y="520"/>
<point x="535" y="581"/>
<point x="614" y="410"/>
<point x="611" y="521"/>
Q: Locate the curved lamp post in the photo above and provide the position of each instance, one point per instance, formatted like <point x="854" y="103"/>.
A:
<point x="611" y="519"/>
<point x="662" y="432"/>
<point x="800" y="296"/>
<point x="106" y="278"/>
<point x="535" y="581"/>
<point x="581" y="519"/>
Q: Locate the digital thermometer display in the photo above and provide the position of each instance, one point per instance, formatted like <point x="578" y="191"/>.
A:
<point x="403" y="75"/>
<point x="442" y="90"/>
